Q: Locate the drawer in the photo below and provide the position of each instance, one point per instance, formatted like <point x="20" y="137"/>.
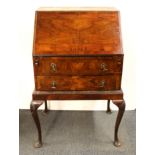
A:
<point x="106" y="82"/>
<point x="44" y="66"/>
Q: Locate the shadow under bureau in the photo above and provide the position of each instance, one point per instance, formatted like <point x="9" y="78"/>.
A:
<point x="77" y="55"/>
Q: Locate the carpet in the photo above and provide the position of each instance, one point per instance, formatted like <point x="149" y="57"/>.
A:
<point x="77" y="133"/>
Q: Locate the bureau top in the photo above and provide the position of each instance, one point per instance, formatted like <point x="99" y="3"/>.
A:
<point x="76" y="9"/>
<point x="77" y="31"/>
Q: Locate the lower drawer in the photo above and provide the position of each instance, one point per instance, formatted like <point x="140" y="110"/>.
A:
<point x="106" y="82"/>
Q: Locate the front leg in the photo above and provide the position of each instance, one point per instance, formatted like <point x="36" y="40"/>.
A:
<point x="121" y="105"/>
<point x="33" y="107"/>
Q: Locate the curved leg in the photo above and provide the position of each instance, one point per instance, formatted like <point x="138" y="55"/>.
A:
<point x="108" y="107"/>
<point x="46" y="109"/>
<point x="121" y="105"/>
<point x="33" y="107"/>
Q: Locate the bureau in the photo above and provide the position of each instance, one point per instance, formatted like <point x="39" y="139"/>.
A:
<point x="77" y="55"/>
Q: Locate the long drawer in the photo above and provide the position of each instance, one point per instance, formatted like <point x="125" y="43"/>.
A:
<point x="75" y="83"/>
<point x="45" y="66"/>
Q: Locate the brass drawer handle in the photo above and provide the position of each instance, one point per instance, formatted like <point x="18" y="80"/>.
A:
<point x="103" y="67"/>
<point x="53" y="84"/>
<point x="53" y="67"/>
<point x="102" y="83"/>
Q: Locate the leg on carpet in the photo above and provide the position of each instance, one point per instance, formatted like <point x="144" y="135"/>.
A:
<point x="121" y="106"/>
<point x="33" y="107"/>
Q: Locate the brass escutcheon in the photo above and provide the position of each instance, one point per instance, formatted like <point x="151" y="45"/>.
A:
<point x="102" y="83"/>
<point x="36" y="62"/>
<point x="53" y="84"/>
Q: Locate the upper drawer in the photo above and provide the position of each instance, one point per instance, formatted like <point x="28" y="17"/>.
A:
<point x="77" y="65"/>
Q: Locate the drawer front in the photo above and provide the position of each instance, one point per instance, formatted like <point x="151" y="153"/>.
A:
<point x="75" y="83"/>
<point x="44" y="66"/>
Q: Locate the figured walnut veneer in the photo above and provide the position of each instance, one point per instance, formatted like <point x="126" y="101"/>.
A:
<point x="77" y="33"/>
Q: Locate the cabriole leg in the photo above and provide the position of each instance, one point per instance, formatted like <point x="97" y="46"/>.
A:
<point x="121" y="106"/>
<point x="33" y="107"/>
<point x="108" y="107"/>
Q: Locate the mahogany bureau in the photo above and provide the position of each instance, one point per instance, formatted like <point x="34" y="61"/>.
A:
<point x="77" y="55"/>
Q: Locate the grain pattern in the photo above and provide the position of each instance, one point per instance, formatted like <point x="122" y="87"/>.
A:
<point x="77" y="33"/>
